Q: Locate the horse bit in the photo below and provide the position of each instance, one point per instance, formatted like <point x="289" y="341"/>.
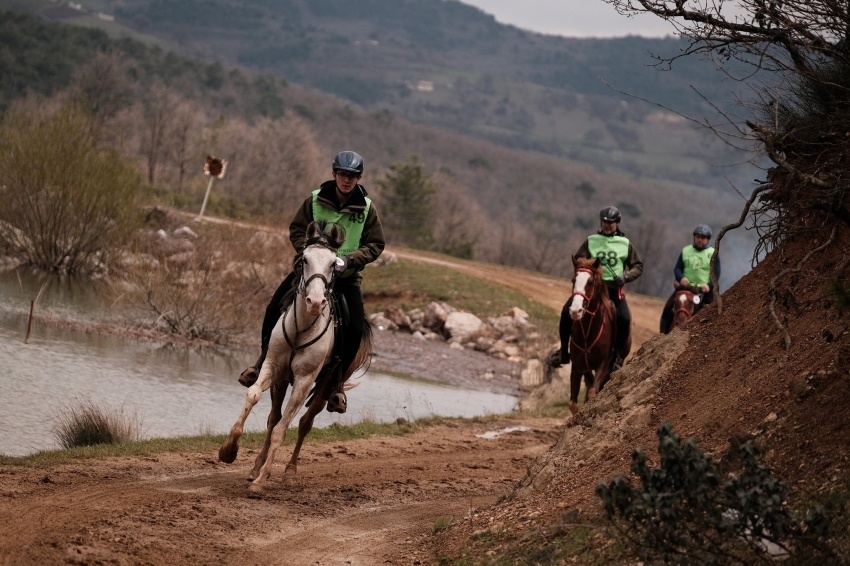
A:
<point x="301" y="289"/>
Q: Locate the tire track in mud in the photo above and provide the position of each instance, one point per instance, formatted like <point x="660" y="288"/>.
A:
<point x="369" y="501"/>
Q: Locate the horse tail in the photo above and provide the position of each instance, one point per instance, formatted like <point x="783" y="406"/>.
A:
<point x="363" y="358"/>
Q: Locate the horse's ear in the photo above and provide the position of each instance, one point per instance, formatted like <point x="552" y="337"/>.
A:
<point x="336" y="235"/>
<point x="596" y="264"/>
<point x="314" y="230"/>
<point x="575" y="262"/>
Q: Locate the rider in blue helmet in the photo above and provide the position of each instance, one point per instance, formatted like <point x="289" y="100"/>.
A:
<point x="341" y="200"/>
<point x="692" y="272"/>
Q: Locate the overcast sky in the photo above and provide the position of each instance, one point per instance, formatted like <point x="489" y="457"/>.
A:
<point x="573" y="18"/>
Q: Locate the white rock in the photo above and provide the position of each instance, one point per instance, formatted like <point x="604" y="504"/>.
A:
<point x="516" y="312"/>
<point x="455" y="346"/>
<point x="435" y="316"/>
<point x="461" y="324"/>
<point x="418" y="335"/>
<point x="185" y="231"/>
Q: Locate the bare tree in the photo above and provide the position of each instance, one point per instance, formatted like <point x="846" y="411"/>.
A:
<point x="102" y="88"/>
<point x="159" y="105"/>
<point x="182" y="140"/>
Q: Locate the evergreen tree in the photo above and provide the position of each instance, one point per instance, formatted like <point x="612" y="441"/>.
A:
<point x="408" y="194"/>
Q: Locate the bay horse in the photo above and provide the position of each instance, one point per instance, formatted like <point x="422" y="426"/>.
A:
<point x="594" y="330"/>
<point x="301" y="345"/>
<point x="685" y="301"/>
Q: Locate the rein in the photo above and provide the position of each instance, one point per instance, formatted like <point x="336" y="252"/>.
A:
<point x="592" y="314"/>
<point x="301" y="290"/>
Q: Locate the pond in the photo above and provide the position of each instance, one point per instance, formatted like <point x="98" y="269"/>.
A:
<point x="174" y="390"/>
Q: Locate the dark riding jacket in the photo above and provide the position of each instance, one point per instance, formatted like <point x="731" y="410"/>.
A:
<point x="633" y="264"/>
<point x="371" y="241"/>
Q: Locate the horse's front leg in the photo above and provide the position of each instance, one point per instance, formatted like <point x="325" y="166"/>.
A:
<point x="227" y="452"/>
<point x="299" y="394"/>
<point x="305" y="425"/>
<point x="278" y="392"/>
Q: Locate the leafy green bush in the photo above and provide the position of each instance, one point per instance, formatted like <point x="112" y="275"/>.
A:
<point x="684" y="514"/>
<point x="65" y="203"/>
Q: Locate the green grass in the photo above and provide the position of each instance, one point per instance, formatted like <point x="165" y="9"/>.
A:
<point x="411" y="284"/>
<point x="211" y="443"/>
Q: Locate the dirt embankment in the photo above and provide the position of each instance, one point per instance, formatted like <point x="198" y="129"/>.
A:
<point x="723" y="379"/>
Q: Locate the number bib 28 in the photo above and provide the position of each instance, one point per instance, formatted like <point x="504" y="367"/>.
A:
<point x="612" y="252"/>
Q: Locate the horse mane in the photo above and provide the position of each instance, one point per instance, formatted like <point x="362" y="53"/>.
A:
<point x="324" y="233"/>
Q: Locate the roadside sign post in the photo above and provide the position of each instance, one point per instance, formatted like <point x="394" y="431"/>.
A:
<point x="214" y="167"/>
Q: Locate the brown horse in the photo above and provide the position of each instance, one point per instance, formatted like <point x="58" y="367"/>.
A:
<point x="594" y="330"/>
<point x="684" y="301"/>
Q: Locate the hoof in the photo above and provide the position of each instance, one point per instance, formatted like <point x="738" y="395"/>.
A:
<point x="573" y="407"/>
<point x="249" y="377"/>
<point x="290" y="479"/>
<point x="255" y="489"/>
<point x="591" y="393"/>
<point x="227" y="453"/>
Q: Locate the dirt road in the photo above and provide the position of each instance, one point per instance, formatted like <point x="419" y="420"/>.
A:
<point x="545" y="289"/>
<point x="362" y="502"/>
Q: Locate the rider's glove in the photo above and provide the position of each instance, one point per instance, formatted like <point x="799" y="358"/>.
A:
<point x="705" y="288"/>
<point x="341" y="264"/>
<point x="620" y="280"/>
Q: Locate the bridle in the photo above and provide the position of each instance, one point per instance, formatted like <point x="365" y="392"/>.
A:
<point x="592" y="314"/>
<point x="301" y="289"/>
<point x="688" y="314"/>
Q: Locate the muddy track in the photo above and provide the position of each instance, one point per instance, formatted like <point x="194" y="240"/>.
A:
<point x="361" y="502"/>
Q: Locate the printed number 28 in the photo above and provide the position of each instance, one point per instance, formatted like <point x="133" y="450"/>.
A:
<point x="610" y="260"/>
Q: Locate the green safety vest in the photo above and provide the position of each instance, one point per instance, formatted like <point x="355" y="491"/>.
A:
<point x="697" y="264"/>
<point x="353" y="223"/>
<point x="612" y="252"/>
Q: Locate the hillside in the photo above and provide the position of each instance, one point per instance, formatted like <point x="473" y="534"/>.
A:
<point x="534" y="210"/>
<point x="449" y="65"/>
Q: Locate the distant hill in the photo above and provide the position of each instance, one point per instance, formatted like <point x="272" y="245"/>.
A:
<point x="445" y="64"/>
<point x="538" y="208"/>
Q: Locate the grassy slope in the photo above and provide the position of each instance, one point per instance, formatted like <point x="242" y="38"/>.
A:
<point x="412" y="284"/>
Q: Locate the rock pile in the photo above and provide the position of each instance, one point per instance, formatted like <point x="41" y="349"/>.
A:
<point x="507" y="337"/>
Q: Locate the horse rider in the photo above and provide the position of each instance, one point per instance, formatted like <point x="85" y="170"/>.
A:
<point x="693" y="271"/>
<point x="341" y="200"/>
<point x="621" y="264"/>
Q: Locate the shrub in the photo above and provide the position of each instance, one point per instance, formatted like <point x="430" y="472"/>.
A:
<point x="214" y="287"/>
<point x="83" y="423"/>
<point x="65" y="203"/>
<point x="684" y="514"/>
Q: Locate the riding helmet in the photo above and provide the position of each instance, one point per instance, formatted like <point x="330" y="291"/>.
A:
<point x="610" y="214"/>
<point x="348" y="161"/>
<point x="702" y="230"/>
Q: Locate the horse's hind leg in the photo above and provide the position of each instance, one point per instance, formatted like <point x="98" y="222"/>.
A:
<point x="575" y="386"/>
<point x="305" y="425"/>
<point x="589" y="385"/>
<point x="278" y="392"/>
<point x="227" y="452"/>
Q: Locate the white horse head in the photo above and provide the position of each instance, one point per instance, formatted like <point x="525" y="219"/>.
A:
<point x="317" y="265"/>
<point x="581" y="290"/>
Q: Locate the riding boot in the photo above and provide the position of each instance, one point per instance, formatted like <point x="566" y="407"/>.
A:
<point x="338" y="402"/>
<point x="565" y="330"/>
<point x="249" y="376"/>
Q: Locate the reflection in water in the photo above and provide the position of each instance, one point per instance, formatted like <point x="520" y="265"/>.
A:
<point x="175" y="390"/>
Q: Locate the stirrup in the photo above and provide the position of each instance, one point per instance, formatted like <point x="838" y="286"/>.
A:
<point x="338" y="403"/>
<point x="249" y="377"/>
<point x="556" y="359"/>
<point x="618" y="363"/>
